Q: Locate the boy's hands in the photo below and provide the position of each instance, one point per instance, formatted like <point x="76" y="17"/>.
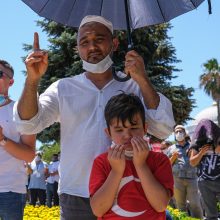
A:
<point x="140" y="151"/>
<point x="116" y="158"/>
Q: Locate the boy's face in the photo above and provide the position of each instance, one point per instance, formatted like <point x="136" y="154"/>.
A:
<point x="122" y="135"/>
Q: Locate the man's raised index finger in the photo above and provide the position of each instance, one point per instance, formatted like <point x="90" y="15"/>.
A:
<point x="36" y="45"/>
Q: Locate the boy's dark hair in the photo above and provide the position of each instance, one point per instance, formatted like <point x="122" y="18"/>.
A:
<point x="8" y="66"/>
<point x="124" y="107"/>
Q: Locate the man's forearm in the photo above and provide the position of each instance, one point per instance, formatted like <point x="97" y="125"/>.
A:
<point x="21" y="151"/>
<point x="27" y="104"/>
<point x="151" y="97"/>
<point x="195" y="160"/>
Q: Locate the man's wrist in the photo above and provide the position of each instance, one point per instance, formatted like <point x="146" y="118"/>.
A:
<point x="3" y="141"/>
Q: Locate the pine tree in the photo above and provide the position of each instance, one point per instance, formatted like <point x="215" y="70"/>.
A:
<point x="152" y="43"/>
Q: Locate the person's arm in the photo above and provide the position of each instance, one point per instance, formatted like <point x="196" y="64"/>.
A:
<point x="159" y="109"/>
<point x="23" y="150"/>
<point x="195" y="156"/>
<point x="134" y="65"/>
<point x="102" y="200"/>
<point x="157" y="195"/>
<point x="36" y="64"/>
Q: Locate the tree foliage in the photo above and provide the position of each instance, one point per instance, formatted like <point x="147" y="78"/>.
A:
<point x="48" y="150"/>
<point x="152" y="43"/>
<point x="210" y="81"/>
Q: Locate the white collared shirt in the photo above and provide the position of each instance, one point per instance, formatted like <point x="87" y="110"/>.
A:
<point x="79" y="107"/>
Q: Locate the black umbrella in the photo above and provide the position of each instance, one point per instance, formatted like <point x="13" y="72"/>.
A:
<point x="124" y="14"/>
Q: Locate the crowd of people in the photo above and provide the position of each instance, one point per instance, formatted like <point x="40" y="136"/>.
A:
<point x="196" y="169"/>
<point x="107" y="170"/>
<point x="43" y="180"/>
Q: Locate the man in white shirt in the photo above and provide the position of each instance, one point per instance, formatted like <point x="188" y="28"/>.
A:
<point x="52" y="181"/>
<point x="14" y="150"/>
<point x="78" y="104"/>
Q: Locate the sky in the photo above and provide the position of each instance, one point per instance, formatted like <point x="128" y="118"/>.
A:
<point x="195" y="35"/>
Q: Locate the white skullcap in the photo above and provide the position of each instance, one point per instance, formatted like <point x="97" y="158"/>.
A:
<point x="99" y="19"/>
<point x="179" y="127"/>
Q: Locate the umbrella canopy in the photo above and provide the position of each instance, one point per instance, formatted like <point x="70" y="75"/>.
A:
<point x="124" y="14"/>
<point x="141" y="12"/>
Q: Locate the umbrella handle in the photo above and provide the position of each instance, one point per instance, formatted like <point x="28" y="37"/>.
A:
<point x="118" y="78"/>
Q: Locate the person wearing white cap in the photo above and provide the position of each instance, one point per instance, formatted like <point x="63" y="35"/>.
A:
<point x="78" y="103"/>
<point x="185" y="176"/>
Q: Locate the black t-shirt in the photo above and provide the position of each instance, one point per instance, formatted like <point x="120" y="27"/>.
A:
<point x="209" y="167"/>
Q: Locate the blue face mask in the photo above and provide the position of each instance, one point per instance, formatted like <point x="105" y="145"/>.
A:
<point x="3" y="99"/>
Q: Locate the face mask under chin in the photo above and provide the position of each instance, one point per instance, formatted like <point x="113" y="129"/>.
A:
<point x="100" y="67"/>
<point x="129" y="153"/>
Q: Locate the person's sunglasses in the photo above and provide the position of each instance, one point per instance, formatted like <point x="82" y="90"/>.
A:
<point x="3" y="73"/>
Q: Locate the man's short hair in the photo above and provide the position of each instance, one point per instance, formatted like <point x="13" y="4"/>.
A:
<point x="7" y="66"/>
<point x="124" y="107"/>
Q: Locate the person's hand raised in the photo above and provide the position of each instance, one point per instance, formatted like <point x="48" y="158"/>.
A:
<point x="37" y="61"/>
<point x="134" y="65"/>
<point x="204" y="149"/>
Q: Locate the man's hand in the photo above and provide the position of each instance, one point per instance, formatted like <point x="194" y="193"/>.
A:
<point x="140" y="151"/>
<point x="134" y="65"/>
<point x="37" y="61"/>
<point x="116" y="158"/>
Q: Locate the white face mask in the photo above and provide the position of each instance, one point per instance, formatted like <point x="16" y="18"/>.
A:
<point x="129" y="153"/>
<point x="180" y="136"/>
<point x="99" y="67"/>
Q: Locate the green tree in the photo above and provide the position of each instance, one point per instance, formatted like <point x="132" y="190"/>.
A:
<point x="48" y="150"/>
<point x="152" y="43"/>
<point x="210" y="82"/>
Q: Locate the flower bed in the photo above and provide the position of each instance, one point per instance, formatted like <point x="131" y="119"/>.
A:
<point x="45" y="213"/>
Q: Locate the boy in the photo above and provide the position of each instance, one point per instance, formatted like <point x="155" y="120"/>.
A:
<point x="129" y="181"/>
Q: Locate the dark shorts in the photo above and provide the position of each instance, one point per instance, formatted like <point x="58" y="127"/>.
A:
<point x="75" y="208"/>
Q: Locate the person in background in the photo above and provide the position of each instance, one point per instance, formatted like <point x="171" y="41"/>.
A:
<point x="37" y="185"/>
<point x="185" y="176"/>
<point x="78" y="103"/>
<point x="14" y="150"/>
<point x="52" y="181"/>
<point x="206" y="157"/>
<point x="130" y="180"/>
<point x="164" y="147"/>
